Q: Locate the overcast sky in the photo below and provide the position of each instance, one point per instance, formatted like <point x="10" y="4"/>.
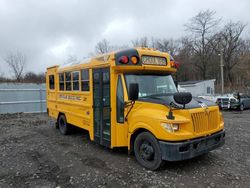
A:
<point x="48" y="31"/>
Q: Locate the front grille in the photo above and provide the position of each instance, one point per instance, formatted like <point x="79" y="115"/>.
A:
<point x="205" y="121"/>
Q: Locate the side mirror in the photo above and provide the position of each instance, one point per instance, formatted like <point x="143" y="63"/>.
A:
<point x="133" y="91"/>
<point x="179" y="98"/>
<point x="183" y="98"/>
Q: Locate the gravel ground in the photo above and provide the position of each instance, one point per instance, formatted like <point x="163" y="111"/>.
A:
<point x="34" y="154"/>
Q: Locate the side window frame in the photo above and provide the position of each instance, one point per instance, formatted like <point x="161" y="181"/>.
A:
<point x="85" y="80"/>
<point x="52" y="82"/>
<point x="75" y="81"/>
<point x="119" y="101"/>
<point x="68" y="81"/>
<point x="61" y="81"/>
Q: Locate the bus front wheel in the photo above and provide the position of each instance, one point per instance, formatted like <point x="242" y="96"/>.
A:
<point x="147" y="151"/>
<point x="64" y="127"/>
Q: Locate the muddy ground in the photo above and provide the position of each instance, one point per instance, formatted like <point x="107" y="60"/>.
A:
<point x="34" y="154"/>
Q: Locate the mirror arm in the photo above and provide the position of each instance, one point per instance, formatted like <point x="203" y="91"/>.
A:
<point x="127" y="104"/>
<point x="170" y="113"/>
<point x="132" y="105"/>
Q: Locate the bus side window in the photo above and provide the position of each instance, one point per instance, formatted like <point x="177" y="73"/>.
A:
<point x="119" y="101"/>
<point x="85" y="79"/>
<point x="51" y="82"/>
<point x="68" y="81"/>
<point x="75" y="76"/>
<point x="61" y="81"/>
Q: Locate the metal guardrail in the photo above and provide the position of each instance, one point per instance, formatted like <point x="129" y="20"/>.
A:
<point x="25" y="100"/>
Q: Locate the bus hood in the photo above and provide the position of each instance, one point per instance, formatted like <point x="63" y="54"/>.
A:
<point x="167" y="99"/>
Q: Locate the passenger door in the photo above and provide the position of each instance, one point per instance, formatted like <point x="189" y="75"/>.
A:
<point x="101" y="97"/>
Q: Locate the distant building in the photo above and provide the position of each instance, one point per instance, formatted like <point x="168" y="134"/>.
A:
<point x="197" y="87"/>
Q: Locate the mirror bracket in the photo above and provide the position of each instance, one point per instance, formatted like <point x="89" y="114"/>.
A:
<point x="170" y="113"/>
<point x="129" y="104"/>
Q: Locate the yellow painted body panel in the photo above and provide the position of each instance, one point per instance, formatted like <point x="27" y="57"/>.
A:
<point x="78" y="106"/>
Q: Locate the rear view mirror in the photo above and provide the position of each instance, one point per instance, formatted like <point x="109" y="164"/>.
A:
<point x="183" y="98"/>
<point x="133" y="91"/>
<point x="179" y="98"/>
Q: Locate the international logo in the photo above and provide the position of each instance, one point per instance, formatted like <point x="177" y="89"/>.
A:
<point x="205" y="107"/>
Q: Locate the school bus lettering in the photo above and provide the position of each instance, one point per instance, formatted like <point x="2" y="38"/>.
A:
<point x="68" y="97"/>
<point x="129" y="99"/>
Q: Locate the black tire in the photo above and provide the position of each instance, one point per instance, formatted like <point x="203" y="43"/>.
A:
<point x="147" y="151"/>
<point x="64" y="127"/>
<point x="241" y="108"/>
<point x="56" y="125"/>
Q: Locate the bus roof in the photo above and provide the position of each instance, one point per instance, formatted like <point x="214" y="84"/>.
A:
<point x="104" y="59"/>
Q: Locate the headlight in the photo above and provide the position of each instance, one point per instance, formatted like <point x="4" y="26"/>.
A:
<point x="170" y="127"/>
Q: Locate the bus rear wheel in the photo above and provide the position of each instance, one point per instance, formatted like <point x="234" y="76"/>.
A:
<point x="147" y="151"/>
<point x="64" y="127"/>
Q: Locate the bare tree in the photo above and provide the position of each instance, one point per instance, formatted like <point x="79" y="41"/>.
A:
<point x="153" y="42"/>
<point x="185" y="56"/>
<point x="1" y="74"/>
<point x="244" y="65"/>
<point x="233" y="46"/>
<point x="2" y="78"/>
<point x="203" y="38"/>
<point x="103" y="47"/>
<point x="32" y="77"/>
<point x="167" y="45"/>
<point x="141" y="42"/>
<point x="17" y="62"/>
<point x="71" y="59"/>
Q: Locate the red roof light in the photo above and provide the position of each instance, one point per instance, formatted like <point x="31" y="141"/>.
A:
<point x="176" y="64"/>
<point x="123" y="59"/>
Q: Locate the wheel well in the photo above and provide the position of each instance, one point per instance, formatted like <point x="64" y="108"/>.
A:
<point x="133" y="136"/>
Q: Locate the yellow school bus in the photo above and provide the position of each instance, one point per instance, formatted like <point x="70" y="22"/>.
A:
<point x="129" y="99"/>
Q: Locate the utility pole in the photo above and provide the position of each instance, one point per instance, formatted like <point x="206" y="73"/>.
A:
<point x="222" y="72"/>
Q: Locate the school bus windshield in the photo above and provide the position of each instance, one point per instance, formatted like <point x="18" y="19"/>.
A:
<point x="151" y="84"/>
